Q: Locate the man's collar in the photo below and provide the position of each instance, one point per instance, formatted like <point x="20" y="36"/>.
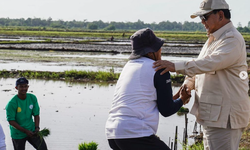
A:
<point x="220" y="31"/>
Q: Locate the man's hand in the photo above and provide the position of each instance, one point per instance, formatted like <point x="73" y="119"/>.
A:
<point x="161" y="64"/>
<point x="185" y="94"/>
<point x="29" y="133"/>
<point x="36" y="130"/>
<point x="177" y="94"/>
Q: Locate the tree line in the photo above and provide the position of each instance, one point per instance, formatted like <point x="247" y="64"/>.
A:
<point x="100" y="25"/>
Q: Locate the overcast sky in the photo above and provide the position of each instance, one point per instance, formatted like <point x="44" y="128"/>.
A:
<point x="116" y="10"/>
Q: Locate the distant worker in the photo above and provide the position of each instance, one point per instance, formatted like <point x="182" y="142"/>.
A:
<point x="112" y="38"/>
<point x="19" y="111"/>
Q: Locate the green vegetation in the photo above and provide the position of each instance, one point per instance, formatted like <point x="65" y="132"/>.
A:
<point x="110" y="27"/>
<point x="49" y="24"/>
<point x="71" y="75"/>
<point x="49" y="41"/>
<point x="88" y="146"/>
<point x="74" y="75"/>
<point x="46" y="35"/>
<point x="183" y="110"/>
<point x="44" y="133"/>
<point x="198" y="146"/>
<point x="92" y="26"/>
<point x="177" y="78"/>
<point x="57" y="34"/>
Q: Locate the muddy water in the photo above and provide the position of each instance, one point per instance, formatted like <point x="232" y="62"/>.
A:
<point x="61" y="61"/>
<point x="76" y="112"/>
<point x="112" y="48"/>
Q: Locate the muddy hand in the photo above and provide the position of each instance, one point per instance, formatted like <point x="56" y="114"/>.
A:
<point x="164" y="64"/>
<point x="185" y="95"/>
<point x="177" y="94"/>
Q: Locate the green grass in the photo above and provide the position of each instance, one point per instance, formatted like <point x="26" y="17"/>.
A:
<point x="71" y="75"/>
<point x="74" y="75"/>
<point x="88" y="146"/>
<point x="167" y="35"/>
<point x="185" y="36"/>
<point x="58" y="34"/>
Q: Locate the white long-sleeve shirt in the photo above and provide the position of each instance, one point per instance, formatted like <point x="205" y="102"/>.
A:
<point x="220" y="90"/>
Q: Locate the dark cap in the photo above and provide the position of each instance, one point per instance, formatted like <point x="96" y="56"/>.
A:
<point x="22" y="80"/>
<point x="144" y="41"/>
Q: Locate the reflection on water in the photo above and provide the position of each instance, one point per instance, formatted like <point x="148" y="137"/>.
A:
<point x="77" y="112"/>
<point x="122" y="56"/>
<point x="94" y="62"/>
<point x="181" y="44"/>
<point x="48" y="66"/>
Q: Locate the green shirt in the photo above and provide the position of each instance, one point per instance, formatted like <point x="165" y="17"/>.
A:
<point x="22" y="111"/>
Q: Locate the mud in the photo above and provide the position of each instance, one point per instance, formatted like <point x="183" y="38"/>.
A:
<point x="117" y="46"/>
<point x="97" y="48"/>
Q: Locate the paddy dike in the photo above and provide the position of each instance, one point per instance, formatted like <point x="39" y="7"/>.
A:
<point x="112" y="48"/>
<point x="96" y="45"/>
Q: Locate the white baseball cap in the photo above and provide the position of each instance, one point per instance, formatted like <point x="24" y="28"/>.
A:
<point x="210" y="5"/>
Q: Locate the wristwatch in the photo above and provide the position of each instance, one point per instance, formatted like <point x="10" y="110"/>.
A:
<point x="37" y="127"/>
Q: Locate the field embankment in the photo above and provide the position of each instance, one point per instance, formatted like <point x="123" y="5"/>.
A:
<point x="176" y="43"/>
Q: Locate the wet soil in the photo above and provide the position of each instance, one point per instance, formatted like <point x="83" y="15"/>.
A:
<point x="176" y="50"/>
<point x="117" y="46"/>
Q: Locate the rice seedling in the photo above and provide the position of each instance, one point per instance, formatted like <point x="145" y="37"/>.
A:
<point x="43" y="133"/>
<point x="88" y="146"/>
<point x="182" y="111"/>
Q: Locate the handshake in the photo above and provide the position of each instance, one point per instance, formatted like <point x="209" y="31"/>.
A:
<point x="184" y="94"/>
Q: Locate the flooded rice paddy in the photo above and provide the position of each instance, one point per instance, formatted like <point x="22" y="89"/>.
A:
<point x="61" y="61"/>
<point x="76" y="112"/>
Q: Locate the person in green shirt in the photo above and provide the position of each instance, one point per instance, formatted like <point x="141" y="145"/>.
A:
<point x="19" y="112"/>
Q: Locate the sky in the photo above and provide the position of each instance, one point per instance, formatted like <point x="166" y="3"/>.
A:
<point x="148" y="11"/>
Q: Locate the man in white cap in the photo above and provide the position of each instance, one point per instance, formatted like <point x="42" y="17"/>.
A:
<point x="219" y="77"/>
